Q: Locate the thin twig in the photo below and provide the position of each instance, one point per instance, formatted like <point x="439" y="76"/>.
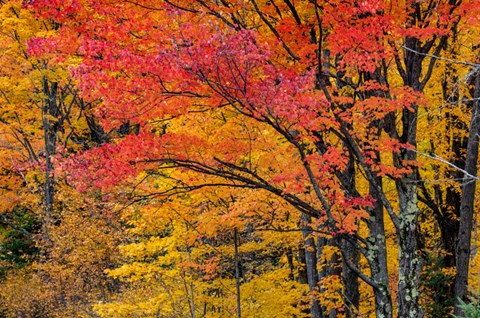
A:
<point x="441" y="58"/>
<point x="442" y="160"/>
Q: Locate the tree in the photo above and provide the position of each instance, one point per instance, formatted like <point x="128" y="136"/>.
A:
<point x="337" y="88"/>
<point x="52" y="260"/>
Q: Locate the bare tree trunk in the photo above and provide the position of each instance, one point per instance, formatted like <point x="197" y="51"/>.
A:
<point x="289" y="254"/>
<point x="237" y="274"/>
<point x="302" y="270"/>
<point x="350" y="280"/>
<point x="377" y="259"/>
<point x="311" y="264"/>
<point x="351" y="284"/>
<point x="410" y="263"/>
<point x="50" y="110"/>
<point x="190" y="289"/>
<point x="466" y="205"/>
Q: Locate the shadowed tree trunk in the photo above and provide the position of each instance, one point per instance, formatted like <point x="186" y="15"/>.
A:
<point x="377" y="259"/>
<point x="51" y="124"/>
<point x="311" y="265"/>
<point x="467" y="203"/>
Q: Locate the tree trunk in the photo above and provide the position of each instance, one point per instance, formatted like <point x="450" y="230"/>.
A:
<point x="466" y="205"/>
<point x="289" y="255"/>
<point x="377" y="259"/>
<point x="302" y="270"/>
<point x="237" y="274"/>
<point x="311" y="265"/>
<point x="350" y="280"/>
<point x="410" y="264"/>
<point x="50" y="127"/>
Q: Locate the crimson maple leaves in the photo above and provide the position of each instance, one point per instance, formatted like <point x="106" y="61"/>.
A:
<point x="315" y="103"/>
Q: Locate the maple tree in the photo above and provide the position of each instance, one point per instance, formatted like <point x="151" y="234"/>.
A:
<point x="341" y="84"/>
<point x="267" y="147"/>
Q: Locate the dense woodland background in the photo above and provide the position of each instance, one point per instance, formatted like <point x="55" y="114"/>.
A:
<point x="239" y="158"/>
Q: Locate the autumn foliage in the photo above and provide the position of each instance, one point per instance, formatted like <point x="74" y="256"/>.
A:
<point x="253" y="158"/>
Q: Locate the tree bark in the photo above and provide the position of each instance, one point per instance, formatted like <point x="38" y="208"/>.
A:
<point x="302" y="269"/>
<point x="410" y="263"/>
<point x="50" y="110"/>
<point x="350" y="280"/>
<point x="311" y="265"/>
<point x="377" y="259"/>
<point x="237" y="274"/>
<point x="467" y="202"/>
